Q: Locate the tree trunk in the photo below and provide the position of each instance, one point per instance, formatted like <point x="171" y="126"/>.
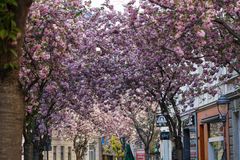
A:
<point x="28" y="150"/>
<point x="80" y="146"/>
<point x="38" y="148"/>
<point x="147" y="153"/>
<point x="11" y="118"/>
<point x="11" y="97"/>
<point x="78" y="156"/>
<point x="28" y="143"/>
<point x="179" y="153"/>
<point x="36" y="152"/>
<point x="40" y="156"/>
<point x="179" y="149"/>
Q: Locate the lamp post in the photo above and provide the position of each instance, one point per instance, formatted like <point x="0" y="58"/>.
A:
<point x="222" y="106"/>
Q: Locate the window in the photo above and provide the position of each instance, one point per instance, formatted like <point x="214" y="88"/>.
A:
<point x="54" y="152"/>
<point x="69" y="153"/>
<point x="92" y="152"/>
<point x="62" y="152"/>
<point x="215" y="141"/>
<point x="216" y="129"/>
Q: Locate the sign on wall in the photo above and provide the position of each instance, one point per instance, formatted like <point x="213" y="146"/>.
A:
<point x="161" y="120"/>
<point x="164" y="135"/>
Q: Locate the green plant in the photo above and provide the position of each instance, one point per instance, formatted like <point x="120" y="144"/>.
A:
<point x="116" y="146"/>
<point x="8" y="31"/>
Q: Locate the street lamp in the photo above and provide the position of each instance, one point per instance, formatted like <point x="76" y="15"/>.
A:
<point x="123" y="142"/>
<point x="222" y="106"/>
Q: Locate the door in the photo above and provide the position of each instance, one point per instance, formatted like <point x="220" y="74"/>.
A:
<point x="201" y="141"/>
<point x="186" y="143"/>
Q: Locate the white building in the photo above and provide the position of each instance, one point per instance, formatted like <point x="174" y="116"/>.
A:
<point x="63" y="150"/>
<point x="60" y="150"/>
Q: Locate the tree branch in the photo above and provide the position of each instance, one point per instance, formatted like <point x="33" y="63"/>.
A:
<point x="228" y="28"/>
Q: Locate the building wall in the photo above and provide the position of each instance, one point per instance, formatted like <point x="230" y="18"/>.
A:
<point x="94" y="147"/>
<point x="203" y="131"/>
<point x="58" y="143"/>
<point x="234" y="129"/>
<point x="205" y="106"/>
<point x="189" y="138"/>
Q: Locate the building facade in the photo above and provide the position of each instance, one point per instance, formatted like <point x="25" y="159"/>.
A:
<point x="63" y="150"/>
<point x="205" y="134"/>
<point x="234" y="128"/>
<point x="211" y="137"/>
<point x="60" y="150"/>
<point x="190" y="135"/>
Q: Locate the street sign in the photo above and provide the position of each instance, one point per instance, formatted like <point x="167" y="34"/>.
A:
<point x="102" y="140"/>
<point x="164" y="135"/>
<point x="161" y="120"/>
<point x="48" y="144"/>
<point x="140" y="154"/>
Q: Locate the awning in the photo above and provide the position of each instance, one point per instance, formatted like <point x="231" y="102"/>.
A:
<point x="211" y="119"/>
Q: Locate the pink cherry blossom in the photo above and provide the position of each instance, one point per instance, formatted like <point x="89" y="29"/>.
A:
<point x="201" y="33"/>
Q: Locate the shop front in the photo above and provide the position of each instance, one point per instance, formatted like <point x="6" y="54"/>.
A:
<point x="234" y="128"/>
<point x="213" y="141"/>
<point x="190" y="137"/>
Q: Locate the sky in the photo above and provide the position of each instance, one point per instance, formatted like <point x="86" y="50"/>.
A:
<point x="116" y="3"/>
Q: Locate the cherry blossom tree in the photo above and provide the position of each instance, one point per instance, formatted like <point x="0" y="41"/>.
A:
<point x="46" y="56"/>
<point x="59" y="47"/>
<point x="109" y="122"/>
<point x="146" y="55"/>
<point x="141" y="110"/>
<point x="76" y="128"/>
<point x="206" y="29"/>
<point x="98" y="124"/>
<point x="168" y="49"/>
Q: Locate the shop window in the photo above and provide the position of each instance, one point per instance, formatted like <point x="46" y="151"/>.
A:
<point x="216" y="149"/>
<point x="215" y="141"/>
<point x="215" y="129"/>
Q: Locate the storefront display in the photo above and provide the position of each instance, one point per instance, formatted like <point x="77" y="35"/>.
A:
<point x="215" y="140"/>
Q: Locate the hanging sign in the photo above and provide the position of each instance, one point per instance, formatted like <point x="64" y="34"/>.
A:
<point x="164" y="135"/>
